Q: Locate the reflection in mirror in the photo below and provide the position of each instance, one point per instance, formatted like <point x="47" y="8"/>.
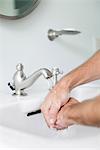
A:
<point x="15" y="9"/>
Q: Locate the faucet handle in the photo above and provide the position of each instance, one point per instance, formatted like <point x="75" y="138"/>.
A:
<point x="19" y="67"/>
<point x="11" y="86"/>
<point x="55" y="73"/>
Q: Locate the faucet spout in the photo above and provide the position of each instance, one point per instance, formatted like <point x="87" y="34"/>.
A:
<point x="33" y="77"/>
<point x="53" y="34"/>
<point x="21" y="82"/>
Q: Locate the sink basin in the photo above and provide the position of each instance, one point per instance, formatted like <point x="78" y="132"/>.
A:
<point x="12" y="116"/>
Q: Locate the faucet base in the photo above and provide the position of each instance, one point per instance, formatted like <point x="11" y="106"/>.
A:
<point x="19" y="93"/>
<point x="23" y="94"/>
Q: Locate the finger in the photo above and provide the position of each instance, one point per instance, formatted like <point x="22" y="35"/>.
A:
<point x="60" y="127"/>
<point x="46" y="120"/>
<point x="52" y="115"/>
<point x="70" y="102"/>
<point x="45" y="112"/>
<point x="73" y="100"/>
<point x="55" y="109"/>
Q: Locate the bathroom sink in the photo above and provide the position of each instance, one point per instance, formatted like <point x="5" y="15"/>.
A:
<point x="15" y="117"/>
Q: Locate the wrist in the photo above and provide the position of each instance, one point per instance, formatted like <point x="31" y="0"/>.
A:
<point x="67" y="82"/>
<point x="82" y="113"/>
<point x="74" y="114"/>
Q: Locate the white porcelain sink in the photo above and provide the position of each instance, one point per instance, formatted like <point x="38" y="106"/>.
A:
<point x="12" y="116"/>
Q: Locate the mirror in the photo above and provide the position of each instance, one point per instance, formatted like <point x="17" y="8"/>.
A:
<point x="15" y="9"/>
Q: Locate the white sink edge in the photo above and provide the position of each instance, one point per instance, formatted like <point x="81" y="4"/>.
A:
<point x="6" y="99"/>
<point x="14" y="139"/>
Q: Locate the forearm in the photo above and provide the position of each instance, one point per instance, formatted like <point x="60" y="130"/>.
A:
<point x="89" y="71"/>
<point x="87" y="112"/>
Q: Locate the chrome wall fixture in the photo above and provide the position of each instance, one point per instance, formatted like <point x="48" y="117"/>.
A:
<point x="53" y="34"/>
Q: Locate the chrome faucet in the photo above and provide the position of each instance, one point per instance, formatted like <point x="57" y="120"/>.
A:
<point x="21" y="82"/>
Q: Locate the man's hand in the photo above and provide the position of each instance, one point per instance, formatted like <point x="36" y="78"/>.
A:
<point x="84" y="113"/>
<point x="64" y="116"/>
<point x="58" y="96"/>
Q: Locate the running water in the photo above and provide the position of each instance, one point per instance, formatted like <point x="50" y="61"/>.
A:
<point x="50" y="84"/>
